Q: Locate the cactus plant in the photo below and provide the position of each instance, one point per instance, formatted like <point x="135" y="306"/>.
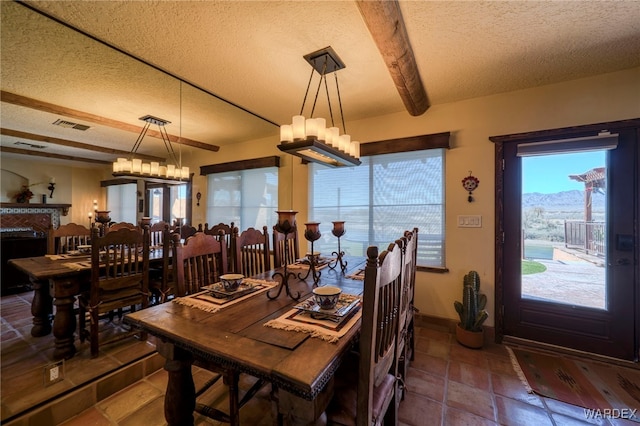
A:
<point x="471" y="309"/>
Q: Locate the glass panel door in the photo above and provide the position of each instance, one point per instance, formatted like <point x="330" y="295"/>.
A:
<point x="569" y="251"/>
<point x="564" y="201"/>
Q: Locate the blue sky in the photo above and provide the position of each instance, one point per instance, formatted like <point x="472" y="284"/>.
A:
<point x="549" y="174"/>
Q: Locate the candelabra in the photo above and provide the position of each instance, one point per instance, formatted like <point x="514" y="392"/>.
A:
<point x="102" y="216"/>
<point x="286" y="225"/>
<point x="312" y="233"/>
<point x="338" y="231"/>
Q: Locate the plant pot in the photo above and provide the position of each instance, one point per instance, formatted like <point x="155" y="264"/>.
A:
<point x="470" y="339"/>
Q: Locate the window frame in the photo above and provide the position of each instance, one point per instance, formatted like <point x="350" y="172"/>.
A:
<point x="240" y="166"/>
<point x="415" y="143"/>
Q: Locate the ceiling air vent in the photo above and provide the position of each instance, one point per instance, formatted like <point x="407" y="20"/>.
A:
<point x="70" y="125"/>
<point x="30" y="145"/>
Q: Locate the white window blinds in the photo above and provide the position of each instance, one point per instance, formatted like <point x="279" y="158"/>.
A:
<point x="380" y="199"/>
<point x="121" y="202"/>
<point x="248" y="198"/>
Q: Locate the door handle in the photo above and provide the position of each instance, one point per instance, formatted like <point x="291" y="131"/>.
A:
<point x="623" y="262"/>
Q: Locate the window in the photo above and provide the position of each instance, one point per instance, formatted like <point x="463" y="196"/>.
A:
<point x="248" y="198"/>
<point x="380" y="199"/>
<point x="168" y="203"/>
<point x="121" y="202"/>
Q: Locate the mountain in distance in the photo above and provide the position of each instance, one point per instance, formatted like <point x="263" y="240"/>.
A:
<point x="563" y="201"/>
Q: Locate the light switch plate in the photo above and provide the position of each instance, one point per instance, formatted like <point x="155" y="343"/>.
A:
<point x="470" y="221"/>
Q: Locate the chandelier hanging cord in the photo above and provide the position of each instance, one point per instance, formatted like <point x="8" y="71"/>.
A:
<point x="304" y="101"/>
<point x="344" y="128"/>
<point x="315" y="100"/>
<point x="180" y="128"/>
<point x="141" y="136"/>
<point x="168" y="145"/>
<point x="326" y="88"/>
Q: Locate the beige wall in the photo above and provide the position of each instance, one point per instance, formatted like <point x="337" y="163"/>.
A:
<point x="77" y="186"/>
<point x="608" y="97"/>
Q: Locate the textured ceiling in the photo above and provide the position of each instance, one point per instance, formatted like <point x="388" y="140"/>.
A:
<point x="250" y="53"/>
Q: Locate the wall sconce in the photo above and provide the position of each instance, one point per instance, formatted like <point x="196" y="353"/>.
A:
<point x="198" y="196"/>
<point x="52" y="186"/>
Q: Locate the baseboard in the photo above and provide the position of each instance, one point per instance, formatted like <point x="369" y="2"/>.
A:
<point x="449" y="325"/>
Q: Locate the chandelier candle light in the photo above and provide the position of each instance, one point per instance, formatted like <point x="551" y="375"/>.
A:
<point x="310" y="138"/>
<point x="152" y="171"/>
<point x="286" y="225"/>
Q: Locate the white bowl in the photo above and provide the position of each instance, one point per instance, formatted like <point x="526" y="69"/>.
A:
<point x="327" y="296"/>
<point x="231" y="282"/>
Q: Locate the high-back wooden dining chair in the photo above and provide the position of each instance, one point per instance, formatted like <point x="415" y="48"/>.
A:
<point x="225" y="233"/>
<point x="119" y="279"/>
<point x="198" y="262"/>
<point x="279" y="241"/>
<point x="67" y="238"/>
<point x="161" y="283"/>
<point x="408" y="243"/>
<point x="251" y="255"/>
<point x="156" y="233"/>
<point x="365" y="385"/>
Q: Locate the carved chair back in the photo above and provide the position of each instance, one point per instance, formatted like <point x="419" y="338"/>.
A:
<point x="252" y="254"/>
<point x="198" y="262"/>
<point x="67" y="238"/>
<point x="279" y="242"/>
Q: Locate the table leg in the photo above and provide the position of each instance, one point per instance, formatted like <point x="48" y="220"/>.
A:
<point x="64" y="291"/>
<point x="180" y="398"/>
<point x="64" y="325"/>
<point x="231" y="378"/>
<point x="41" y="308"/>
<point x="296" y="411"/>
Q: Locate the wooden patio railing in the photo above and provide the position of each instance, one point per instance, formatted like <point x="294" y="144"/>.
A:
<point x="587" y="236"/>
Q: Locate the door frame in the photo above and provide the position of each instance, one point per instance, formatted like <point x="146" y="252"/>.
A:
<point x="589" y="130"/>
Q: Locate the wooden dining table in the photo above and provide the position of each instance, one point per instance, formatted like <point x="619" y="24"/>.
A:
<point x="299" y="366"/>
<point x="56" y="280"/>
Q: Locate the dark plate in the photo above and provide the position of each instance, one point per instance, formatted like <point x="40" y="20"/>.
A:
<point x="345" y="304"/>
<point x="218" y="290"/>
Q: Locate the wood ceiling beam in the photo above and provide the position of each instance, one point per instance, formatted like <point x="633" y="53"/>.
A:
<point x="73" y="144"/>
<point x="385" y="23"/>
<point x="24" y="101"/>
<point x="51" y="155"/>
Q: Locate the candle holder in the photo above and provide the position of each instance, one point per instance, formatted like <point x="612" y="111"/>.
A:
<point x="312" y="233"/>
<point x="338" y="231"/>
<point x="102" y="216"/>
<point x="286" y="225"/>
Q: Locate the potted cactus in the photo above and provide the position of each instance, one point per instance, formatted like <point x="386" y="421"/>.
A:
<point x="472" y="313"/>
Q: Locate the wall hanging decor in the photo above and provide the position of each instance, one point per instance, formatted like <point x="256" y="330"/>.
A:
<point x="470" y="183"/>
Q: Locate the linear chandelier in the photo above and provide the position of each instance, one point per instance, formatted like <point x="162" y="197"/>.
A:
<point x="309" y="138"/>
<point x="172" y="172"/>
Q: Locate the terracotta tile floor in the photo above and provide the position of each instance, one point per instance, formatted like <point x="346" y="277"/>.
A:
<point x="447" y="385"/>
